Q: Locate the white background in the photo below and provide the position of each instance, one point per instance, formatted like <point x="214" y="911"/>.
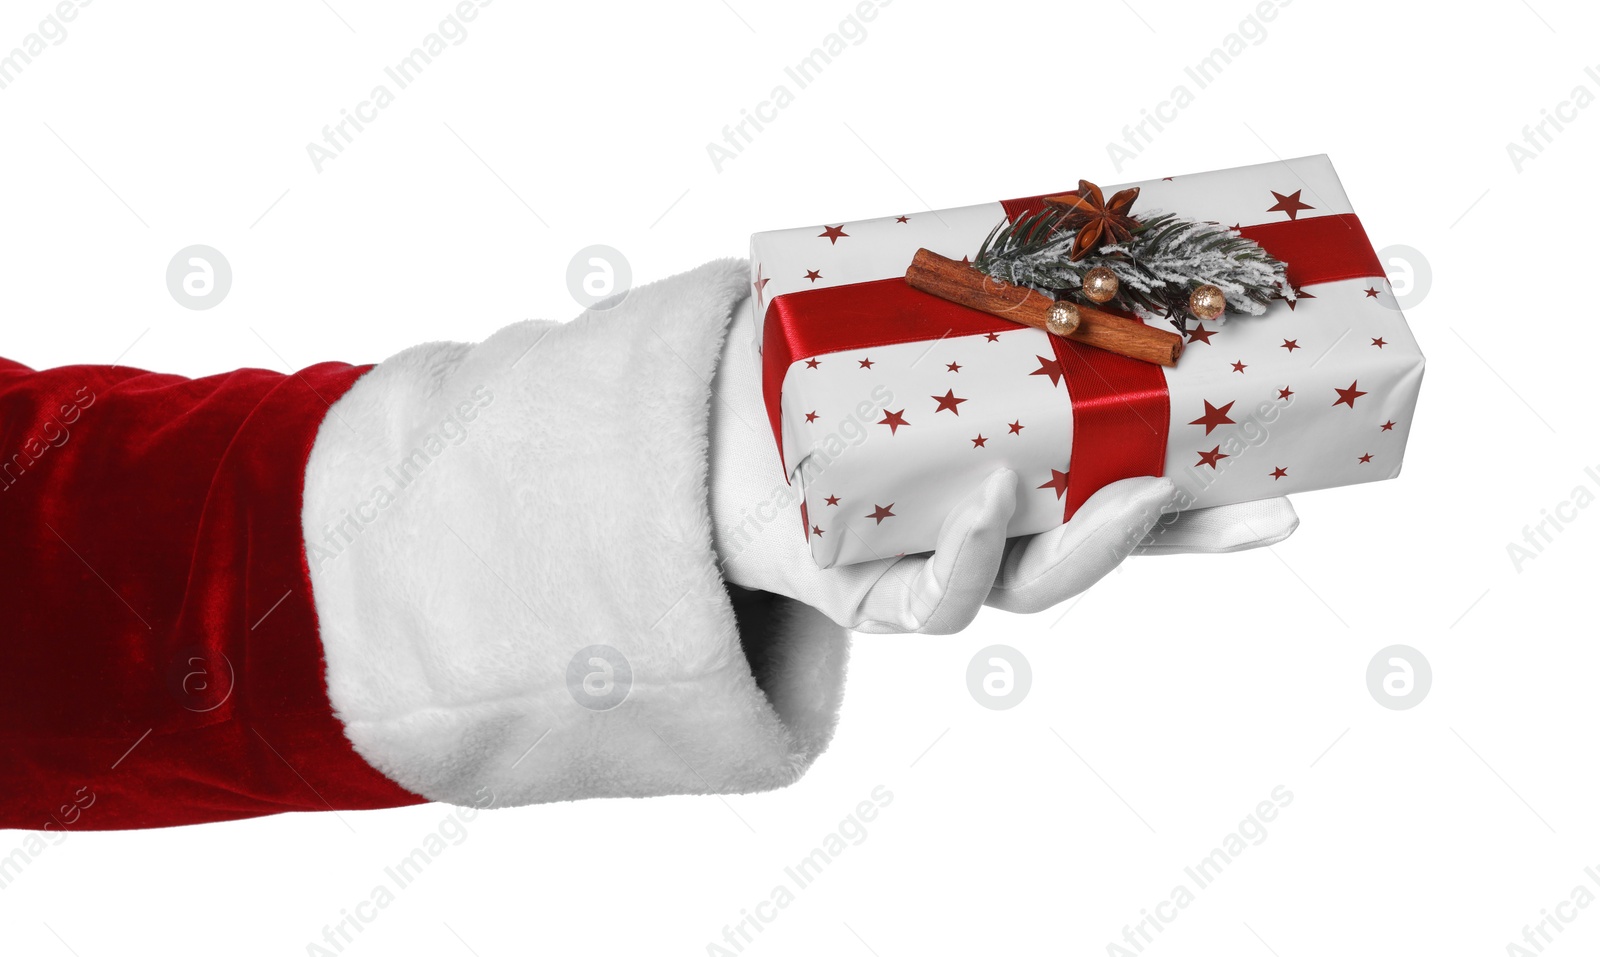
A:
<point x="1166" y="703"/>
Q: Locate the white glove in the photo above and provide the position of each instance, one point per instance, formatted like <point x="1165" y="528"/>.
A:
<point x="972" y="563"/>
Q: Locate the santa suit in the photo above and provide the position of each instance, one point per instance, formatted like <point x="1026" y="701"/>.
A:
<point x="369" y="586"/>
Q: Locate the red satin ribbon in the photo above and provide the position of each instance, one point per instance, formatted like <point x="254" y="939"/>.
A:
<point x="1120" y="411"/>
<point x="1319" y="249"/>
<point x="1119" y="407"/>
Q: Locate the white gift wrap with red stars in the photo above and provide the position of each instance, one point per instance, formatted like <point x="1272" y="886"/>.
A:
<point x="891" y="405"/>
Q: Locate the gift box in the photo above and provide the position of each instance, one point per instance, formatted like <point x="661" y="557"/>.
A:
<point x="890" y="404"/>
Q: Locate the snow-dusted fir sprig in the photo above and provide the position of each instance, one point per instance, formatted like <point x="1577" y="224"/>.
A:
<point x="1157" y="268"/>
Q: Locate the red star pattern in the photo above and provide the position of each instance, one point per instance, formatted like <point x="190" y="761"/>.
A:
<point x="1288" y="204"/>
<point x="894" y="420"/>
<point x="1348" y="396"/>
<point x="909" y="378"/>
<point x="1049" y="367"/>
<point x="1058" y="481"/>
<point x="947" y="402"/>
<point x="1214" y="416"/>
<point x="760" y="284"/>
<point x="1299" y="294"/>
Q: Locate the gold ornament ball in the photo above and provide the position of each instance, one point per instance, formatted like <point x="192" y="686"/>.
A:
<point x="1100" y="284"/>
<point x="1062" y="319"/>
<point x="1207" y="301"/>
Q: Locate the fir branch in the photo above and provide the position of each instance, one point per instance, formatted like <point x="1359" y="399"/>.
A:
<point x="1158" y="267"/>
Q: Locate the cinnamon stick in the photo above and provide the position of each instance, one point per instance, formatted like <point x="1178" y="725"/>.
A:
<point x="966" y="286"/>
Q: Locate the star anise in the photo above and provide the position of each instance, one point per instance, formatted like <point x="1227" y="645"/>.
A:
<point x="1096" y="220"/>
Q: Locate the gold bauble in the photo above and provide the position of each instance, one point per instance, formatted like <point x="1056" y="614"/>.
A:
<point x="1207" y="301"/>
<point x="1062" y="319"/>
<point x="1100" y="284"/>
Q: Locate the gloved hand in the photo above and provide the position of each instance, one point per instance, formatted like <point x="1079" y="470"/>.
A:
<point x="972" y="563"/>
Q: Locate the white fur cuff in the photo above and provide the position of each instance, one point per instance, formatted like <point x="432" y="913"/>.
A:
<point x="511" y="557"/>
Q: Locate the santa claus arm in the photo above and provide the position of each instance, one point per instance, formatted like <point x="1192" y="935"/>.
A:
<point x="485" y="574"/>
<point x="478" y="574"/>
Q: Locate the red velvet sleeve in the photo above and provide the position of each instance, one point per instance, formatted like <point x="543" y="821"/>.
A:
<point x="159" y="657"/>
